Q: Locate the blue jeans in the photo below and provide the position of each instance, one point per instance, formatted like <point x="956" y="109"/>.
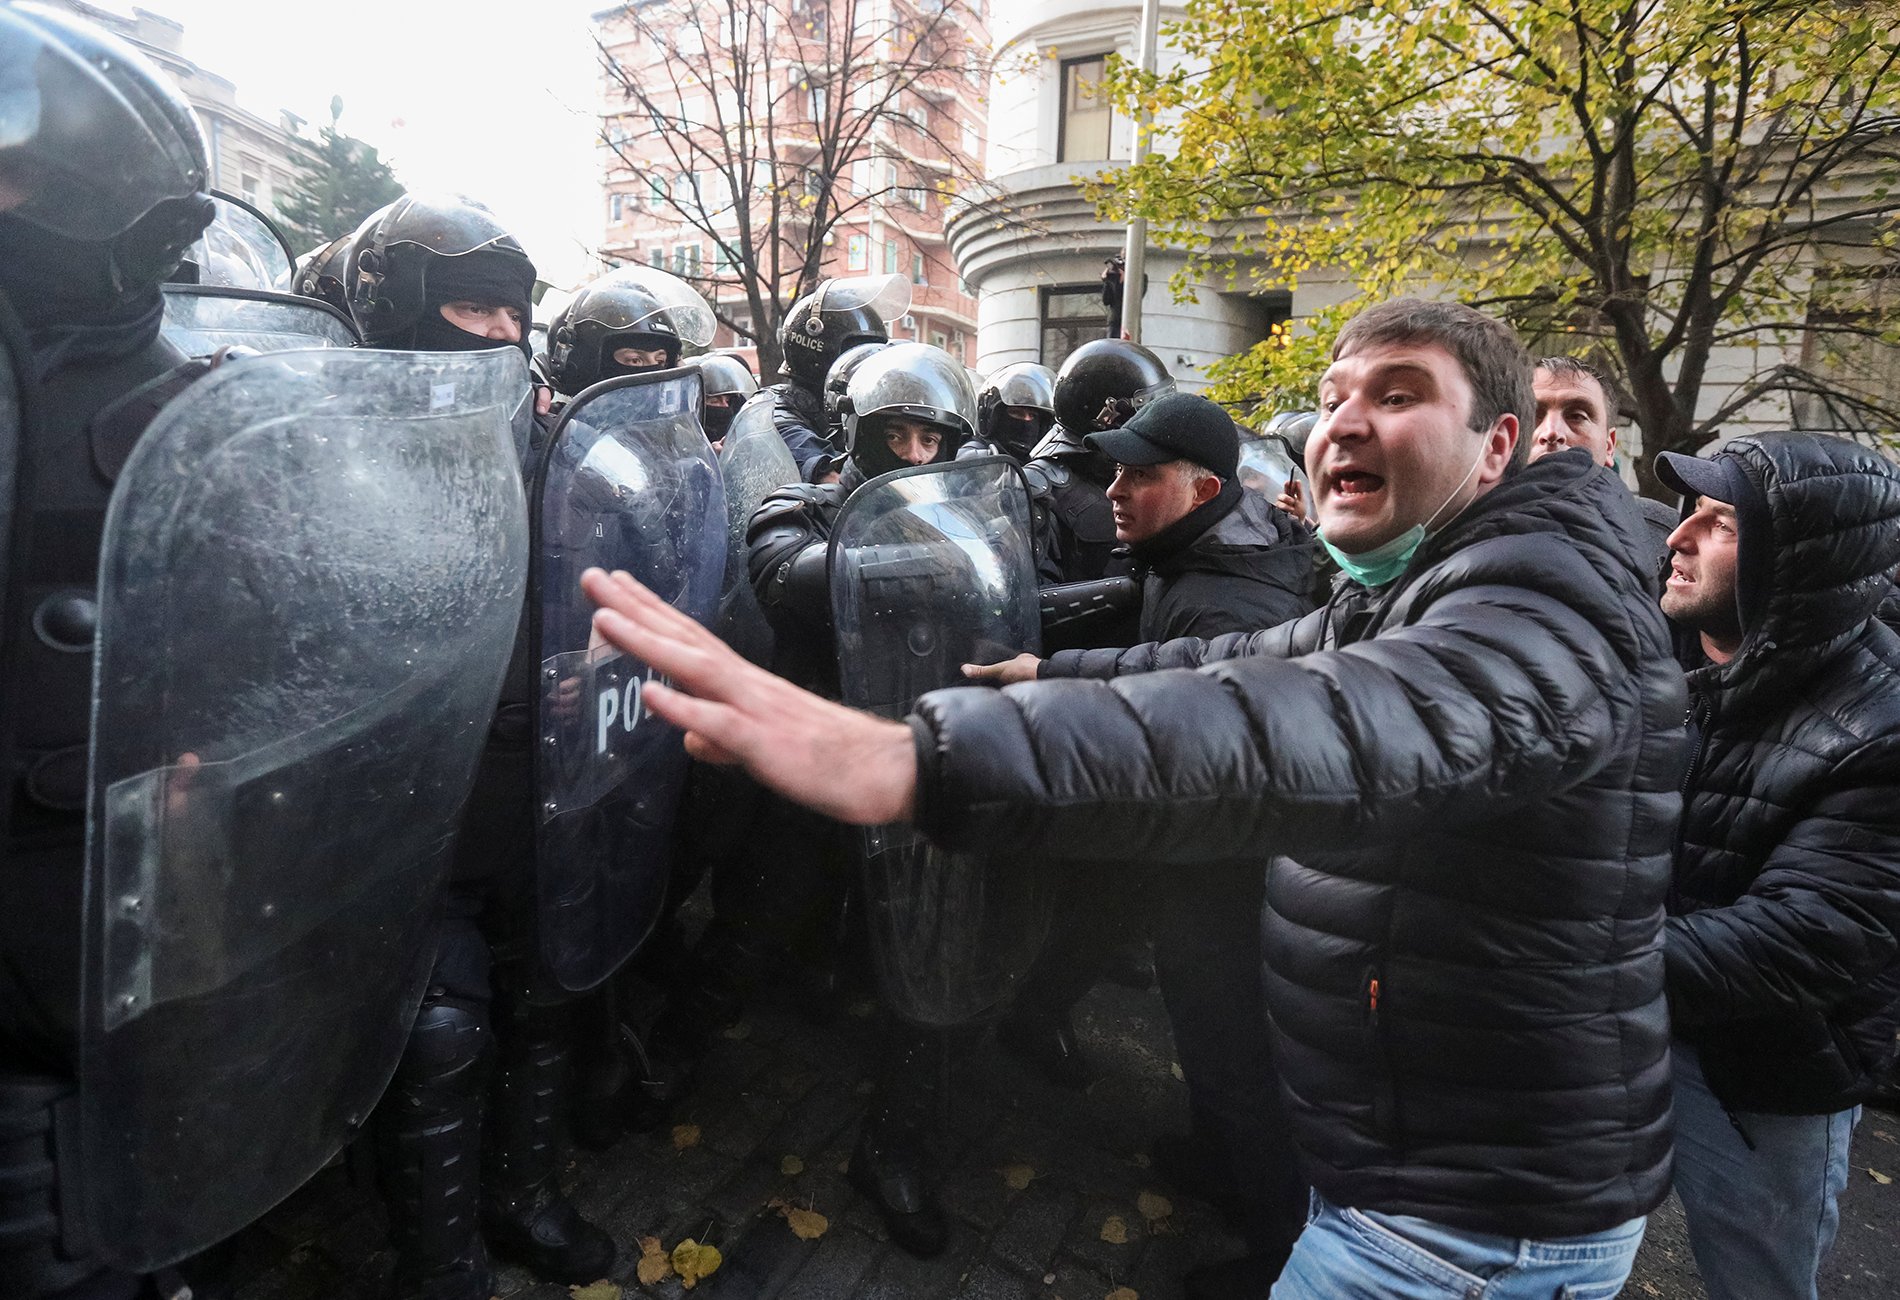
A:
<point x="1360" y="1255"/>
<point x="1760" y="1221"/>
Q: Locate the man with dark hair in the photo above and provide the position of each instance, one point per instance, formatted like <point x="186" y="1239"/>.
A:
<point x="1470" y="755"/>
<point x="1580" y="405"/>
<point x="1783" y="960"/>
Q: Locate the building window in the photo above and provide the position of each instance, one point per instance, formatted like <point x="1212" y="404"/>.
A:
<point x="972" y="142"/>
<point x="917" y="268"/>
<point x="939" y="340"/>
<point x="857" y="253"/>
<point x="686" y="259"/>
<point x="916" y="196"/>
<point x="614" y="208"/>
<point x="248" y="180"/>
<point x="861" y="176"/>
<point x="1071" y="316"/>
<point x="890" y="257"/>
<point x="1083" y="130"/>
<point x="656" y="191"/>
<point x="657" y="257"/>
<point x="685" y="189"/>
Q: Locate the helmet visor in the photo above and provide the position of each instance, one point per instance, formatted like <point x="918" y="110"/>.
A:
<point x="640" y="300"/>
<point x="238" y="250"/>
<point x="887" y="295"/>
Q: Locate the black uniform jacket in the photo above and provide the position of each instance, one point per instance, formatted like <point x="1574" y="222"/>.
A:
<point x="1784" y="930"/>
<point x="1476" y="768"/>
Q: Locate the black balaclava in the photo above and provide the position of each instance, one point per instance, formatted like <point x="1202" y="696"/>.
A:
<point x="493" y="277"/>
<point x="718" y="419"/>
<point x="874" y="456"/>
<point x="611" y="369"/>
<point x="95" y="300"/>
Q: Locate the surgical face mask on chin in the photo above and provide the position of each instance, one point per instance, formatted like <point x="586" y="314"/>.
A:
<point x="1383" y="563"/>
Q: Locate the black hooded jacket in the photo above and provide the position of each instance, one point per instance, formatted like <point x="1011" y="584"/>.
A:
<point x="1784" y="933"/>
<point x="1476" y="768"/>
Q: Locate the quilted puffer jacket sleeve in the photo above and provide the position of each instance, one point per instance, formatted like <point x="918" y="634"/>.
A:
<point x="1821" y="921"/>
<point x="1486" y="698"/>
<point x="1296" y="637"/>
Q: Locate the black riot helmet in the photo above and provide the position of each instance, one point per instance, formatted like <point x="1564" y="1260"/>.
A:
<point x="102" y="170"/>
<point x="1294" y="428"/>
<point x="633" y="307"/>
<point x="834" y="318"/>
<point x="422" y="252"/>
<point x="725" y="384"/>
<point x="1024" y="387"/>
<point x="1104" y="371"/>
<point x="906" y="381"/>
<point x="319" y="274"/>
<point x="837" y="383"/>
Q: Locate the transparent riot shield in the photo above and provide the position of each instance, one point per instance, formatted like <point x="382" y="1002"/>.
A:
<point x="311" y="574"/>
<point x="931" y="569"/>
<point x="241" y="248"/>
<point x="1267" y="465"/>
<point x="755" y="460"/>
<point x="201" y="319"/>
<point x="629" y="483"/>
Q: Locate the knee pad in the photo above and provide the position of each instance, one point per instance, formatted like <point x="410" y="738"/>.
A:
<point x="450" y="1037"/>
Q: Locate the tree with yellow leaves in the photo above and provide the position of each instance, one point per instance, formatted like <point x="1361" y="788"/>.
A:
<point x="1704" y="190"/>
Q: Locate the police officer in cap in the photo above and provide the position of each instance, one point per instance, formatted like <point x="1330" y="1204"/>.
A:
<point x="465" y="1134"/>
<point x="820" y="328"/>
<point x="102" y="189"/>
<point x="1100" y="385"/>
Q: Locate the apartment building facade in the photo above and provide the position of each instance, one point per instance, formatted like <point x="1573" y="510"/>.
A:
<point x="731" y="147"/>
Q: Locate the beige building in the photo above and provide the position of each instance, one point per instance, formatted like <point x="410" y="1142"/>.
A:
<point x="250" y="157"/>
<point x="889" y="189"/>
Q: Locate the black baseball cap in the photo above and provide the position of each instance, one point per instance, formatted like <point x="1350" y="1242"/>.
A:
<point x="1719" y="477"/>
<point x="1175" y="426"/>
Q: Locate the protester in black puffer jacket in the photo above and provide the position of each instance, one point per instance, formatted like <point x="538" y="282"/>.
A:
<point x="1476" y="770"/>
<point x="1784" y="933"/>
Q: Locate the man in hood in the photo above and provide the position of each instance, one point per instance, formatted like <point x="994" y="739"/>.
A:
<point x="1783" y="938"/>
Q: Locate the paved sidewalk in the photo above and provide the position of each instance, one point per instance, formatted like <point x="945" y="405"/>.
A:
<point x="1034" y="1175"/>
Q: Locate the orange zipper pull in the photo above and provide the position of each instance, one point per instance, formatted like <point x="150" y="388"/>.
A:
<point x="1374" y="1004"/>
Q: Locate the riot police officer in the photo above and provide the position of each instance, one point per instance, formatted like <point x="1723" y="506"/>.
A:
<point x="726" y="384"/>
<point x="1015" y="409"/>
<point x="820" y="328"/>
<point x="837" y="383"/>
<point x="1100" y="385"/>
<point x="466" y="1145"/>
<point x="105" y="192"/>
<point x="629" y="321"/>
<point x="906" y="404"/>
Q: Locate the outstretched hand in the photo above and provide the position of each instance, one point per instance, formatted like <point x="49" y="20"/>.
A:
<point x="837" y="761"/>
<point x="1022" y="668"/>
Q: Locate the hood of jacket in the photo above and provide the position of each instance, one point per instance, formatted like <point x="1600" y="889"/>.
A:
<point x="1814" y="567"/>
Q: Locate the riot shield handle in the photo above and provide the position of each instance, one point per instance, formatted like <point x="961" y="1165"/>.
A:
<point x="1075" y="606"/>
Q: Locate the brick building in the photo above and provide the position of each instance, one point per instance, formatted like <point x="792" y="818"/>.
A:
<point x="836" y="95"/>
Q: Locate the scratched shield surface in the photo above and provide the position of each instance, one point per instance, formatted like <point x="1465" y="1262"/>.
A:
<point x="629" y="483"/>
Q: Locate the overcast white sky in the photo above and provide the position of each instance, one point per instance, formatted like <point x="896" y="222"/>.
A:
<point x="492" y="98"/>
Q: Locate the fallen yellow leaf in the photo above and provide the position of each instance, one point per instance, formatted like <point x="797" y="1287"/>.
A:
<point x="1878" y="1177"/>
<point x="654" y="1261"/>
<point x="1154" y="1207"/>
<point x="693" y="1261"/>
<point x="602" y="1290"/>
<point x="1018" y="1176"/>
<point x="1175" y="1070"/>
<point x="685" y="1135"/>
<point x="1115" y="1230"/>
<point x="791" y="1165"/>
<point x="808" y="1225"/>
<point x="1123" y="1293"/>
